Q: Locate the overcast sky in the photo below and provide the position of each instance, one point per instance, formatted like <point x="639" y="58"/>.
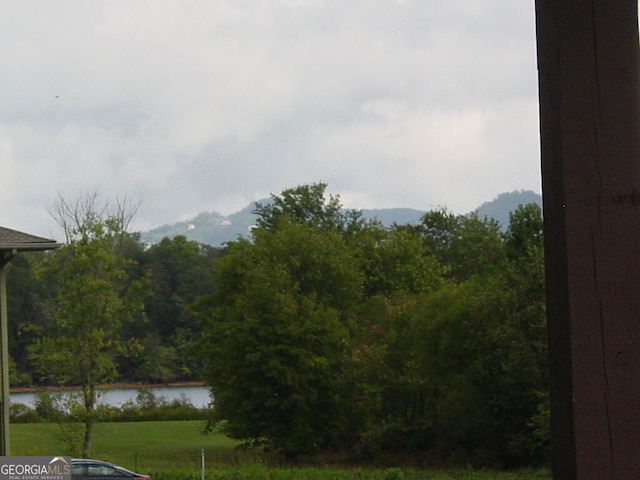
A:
<point x="208" y="105"/>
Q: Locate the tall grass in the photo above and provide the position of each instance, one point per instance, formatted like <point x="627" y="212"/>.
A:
<point x="171" y="450"/>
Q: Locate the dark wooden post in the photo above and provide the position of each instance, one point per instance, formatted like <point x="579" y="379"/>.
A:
<point x="588" y="65"/>
<point x="5" y="257"/>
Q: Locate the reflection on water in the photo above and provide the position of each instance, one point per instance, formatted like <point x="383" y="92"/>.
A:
<point x="198" y="396"/>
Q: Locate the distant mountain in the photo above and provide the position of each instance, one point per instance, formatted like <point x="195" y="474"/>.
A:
<point x="211" y="228"/>
<point x="500" y="207"/>
<point x="214" y="229"/>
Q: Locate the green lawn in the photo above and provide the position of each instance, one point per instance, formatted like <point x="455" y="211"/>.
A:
<point x="156" y="446"/>
<point x="171" y="450"/>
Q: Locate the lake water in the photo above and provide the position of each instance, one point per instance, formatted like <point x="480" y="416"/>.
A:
<point x="198" y="396"/>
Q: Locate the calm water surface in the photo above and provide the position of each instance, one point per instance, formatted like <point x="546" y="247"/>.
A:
<point x="198" y="396"/>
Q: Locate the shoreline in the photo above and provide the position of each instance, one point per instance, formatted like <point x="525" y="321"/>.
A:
<point x="109" y="386"/>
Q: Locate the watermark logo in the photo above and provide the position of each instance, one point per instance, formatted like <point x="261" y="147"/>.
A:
<point x="35" y="468"/>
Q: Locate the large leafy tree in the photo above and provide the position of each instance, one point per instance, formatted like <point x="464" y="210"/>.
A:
<point x="94" y="299"/>
<point x="309" y="205"/>
<point x="277" y="338"/>
<point x="279" y="326"/>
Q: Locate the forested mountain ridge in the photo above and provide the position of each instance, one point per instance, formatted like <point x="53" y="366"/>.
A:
<point x="213" y="228"/>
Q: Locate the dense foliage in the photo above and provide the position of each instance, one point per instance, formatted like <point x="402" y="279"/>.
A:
<point x="155" y="345"/>
<point x="327" y="332"/>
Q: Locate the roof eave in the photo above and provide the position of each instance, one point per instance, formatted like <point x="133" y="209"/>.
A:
<point x="21" y="247"/>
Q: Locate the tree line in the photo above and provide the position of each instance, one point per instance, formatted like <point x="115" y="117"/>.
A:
<point x="322" y="332"/>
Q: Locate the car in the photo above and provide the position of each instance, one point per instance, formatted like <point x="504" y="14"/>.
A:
<point x="87" y="469"/>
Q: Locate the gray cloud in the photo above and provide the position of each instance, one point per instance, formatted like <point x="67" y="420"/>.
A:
<point x="208" y="105"/>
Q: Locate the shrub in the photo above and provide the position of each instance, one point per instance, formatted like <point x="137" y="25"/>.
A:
<point x="51" y="407"/>
<point x="393" y="474"/>
<point x="20" y="413"/>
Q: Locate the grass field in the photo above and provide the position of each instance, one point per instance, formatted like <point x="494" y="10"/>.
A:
<point x="172" y="451"/>
<point x="157" y="446"/>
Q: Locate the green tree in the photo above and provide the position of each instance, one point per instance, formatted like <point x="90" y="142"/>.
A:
<point x="465" y="245"/>
<point x="395" y="260"/>
<point x="481" y="344"/>
<point x="399" y="271"/>
<point x="179" y="271"/>
<point x="478" y="371"/>
<point x="307" y="204"/>
<point x="279" y="326"/>
<point x="525" y="233"/>
<point x="393" y="389"/>
<point x="94" y="299"/>
<point x="524" y="273"/>
<point x="277" y="338"/>
<point x="25" y="310"/>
